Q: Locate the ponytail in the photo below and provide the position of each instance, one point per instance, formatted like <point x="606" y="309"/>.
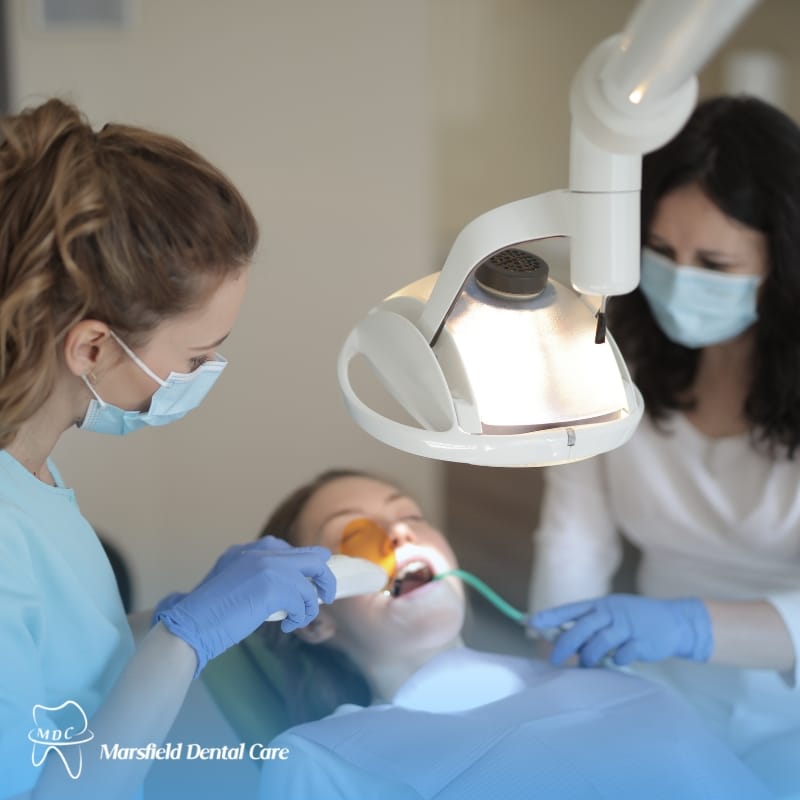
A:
<point x="125" y="226"/>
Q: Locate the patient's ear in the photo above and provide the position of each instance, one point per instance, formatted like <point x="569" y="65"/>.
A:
<point x="319" y="630"/>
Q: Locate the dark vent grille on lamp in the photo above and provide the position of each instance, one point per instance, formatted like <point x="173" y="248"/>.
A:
<point x="515" y="260"/>
<point x="514" y="272"/>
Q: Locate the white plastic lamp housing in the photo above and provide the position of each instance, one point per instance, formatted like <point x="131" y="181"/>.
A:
<point x="505" y="384"/>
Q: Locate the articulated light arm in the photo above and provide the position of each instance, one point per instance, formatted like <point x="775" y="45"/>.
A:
<point x="665" y="44"/>
<point x="632" y="94"/>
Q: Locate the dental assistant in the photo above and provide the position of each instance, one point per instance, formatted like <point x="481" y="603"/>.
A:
<point x="707" y="488"/>
<point x="123" y="263"/>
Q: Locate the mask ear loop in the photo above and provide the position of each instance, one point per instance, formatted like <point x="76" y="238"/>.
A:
<point x="89" y="381"/>
<point x="89" y="377"/>
<point x="136" y="360"/>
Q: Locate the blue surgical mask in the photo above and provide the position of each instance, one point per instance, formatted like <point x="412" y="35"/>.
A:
<point x="694" y="306"/>
<point x="175" y="397"/>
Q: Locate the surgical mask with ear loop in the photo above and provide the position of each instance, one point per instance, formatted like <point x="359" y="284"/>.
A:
<point x="694" y="306"/>
<point x="175" y="397"/>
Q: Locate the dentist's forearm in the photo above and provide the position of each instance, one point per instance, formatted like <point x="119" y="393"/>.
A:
<point x="140" y="623"/>
<point x="141" y="709"/>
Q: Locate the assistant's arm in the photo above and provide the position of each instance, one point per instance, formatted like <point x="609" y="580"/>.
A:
<point x="577" y="548"/>
<point x="754" y="634"/>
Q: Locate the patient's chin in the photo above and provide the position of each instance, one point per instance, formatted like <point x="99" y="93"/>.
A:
<point x="432" y="616"/>
<point x="440" y="629"/>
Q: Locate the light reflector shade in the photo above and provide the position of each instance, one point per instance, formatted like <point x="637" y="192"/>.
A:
<point x="506" y="383"/>
<point x="533" y="364"/>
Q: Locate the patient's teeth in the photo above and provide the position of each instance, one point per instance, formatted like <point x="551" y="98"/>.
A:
<point x="412" y="566"/>
<point x="411" y="576"/>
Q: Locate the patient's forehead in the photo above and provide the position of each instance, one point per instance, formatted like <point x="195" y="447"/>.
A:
<point x="342" y="494"/>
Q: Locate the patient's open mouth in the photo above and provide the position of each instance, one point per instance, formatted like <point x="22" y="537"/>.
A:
<point x="411" y="576"/>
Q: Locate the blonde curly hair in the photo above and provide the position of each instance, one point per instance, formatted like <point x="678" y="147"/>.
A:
<point x="122" y="225"/>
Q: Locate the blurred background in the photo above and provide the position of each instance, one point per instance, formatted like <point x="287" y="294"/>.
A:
<point x="365" y="134"/>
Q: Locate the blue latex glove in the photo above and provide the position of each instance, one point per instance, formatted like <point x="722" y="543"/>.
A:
<point x="164" y="604"/>
<point x="629" y="628"/>
<point x="246" y="586"/>
<point x="265" y="543"/>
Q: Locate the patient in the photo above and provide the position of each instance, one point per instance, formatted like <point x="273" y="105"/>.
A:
<point x="423" y="716"/>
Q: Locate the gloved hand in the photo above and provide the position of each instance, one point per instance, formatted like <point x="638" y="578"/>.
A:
<point x="630" y="627"/>
<point x="264" y="543"/>
<point x="243" y="589"/>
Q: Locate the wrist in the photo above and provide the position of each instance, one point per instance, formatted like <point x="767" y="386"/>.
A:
<point x="166" y="603"/>
<point x="180" y="627"/>
<point x="177" y="655"/>
<point x="698" y="642"/>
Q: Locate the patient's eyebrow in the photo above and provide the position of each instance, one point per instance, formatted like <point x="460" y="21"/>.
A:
<point x="396" y="496"/>
<point x="391" y="498"/>
<point x="341" y="513"/>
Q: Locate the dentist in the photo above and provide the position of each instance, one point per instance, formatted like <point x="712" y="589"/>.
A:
<point x="123" y="263"/>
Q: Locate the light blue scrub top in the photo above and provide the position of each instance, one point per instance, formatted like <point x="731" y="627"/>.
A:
<point x="63" y="631"/>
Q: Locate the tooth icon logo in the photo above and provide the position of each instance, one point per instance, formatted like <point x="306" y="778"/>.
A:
<point x="62" y="729"/>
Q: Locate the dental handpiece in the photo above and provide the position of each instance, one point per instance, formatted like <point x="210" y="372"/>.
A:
<point x="354" y="576"/>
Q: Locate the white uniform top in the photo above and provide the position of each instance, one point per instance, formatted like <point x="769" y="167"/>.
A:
<point x="64" y="637"/>
<point x="713" y="518"/>
<point x="484" y="725"/>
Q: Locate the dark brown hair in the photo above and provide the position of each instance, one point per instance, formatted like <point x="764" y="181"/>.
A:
<point x="122" y="225"/>
<point x="745" y="155"/>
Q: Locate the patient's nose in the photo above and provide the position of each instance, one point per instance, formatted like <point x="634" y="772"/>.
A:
<point x="400" y="533"/>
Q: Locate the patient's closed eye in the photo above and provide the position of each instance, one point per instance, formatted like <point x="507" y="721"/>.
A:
<point x="364" y="538"/>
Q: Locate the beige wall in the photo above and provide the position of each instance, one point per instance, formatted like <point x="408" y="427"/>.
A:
<point x="771" y="26"/>
<point x="365" y="133"/>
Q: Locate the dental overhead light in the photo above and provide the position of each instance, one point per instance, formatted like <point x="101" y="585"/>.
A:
<point x="498" y="363"/>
